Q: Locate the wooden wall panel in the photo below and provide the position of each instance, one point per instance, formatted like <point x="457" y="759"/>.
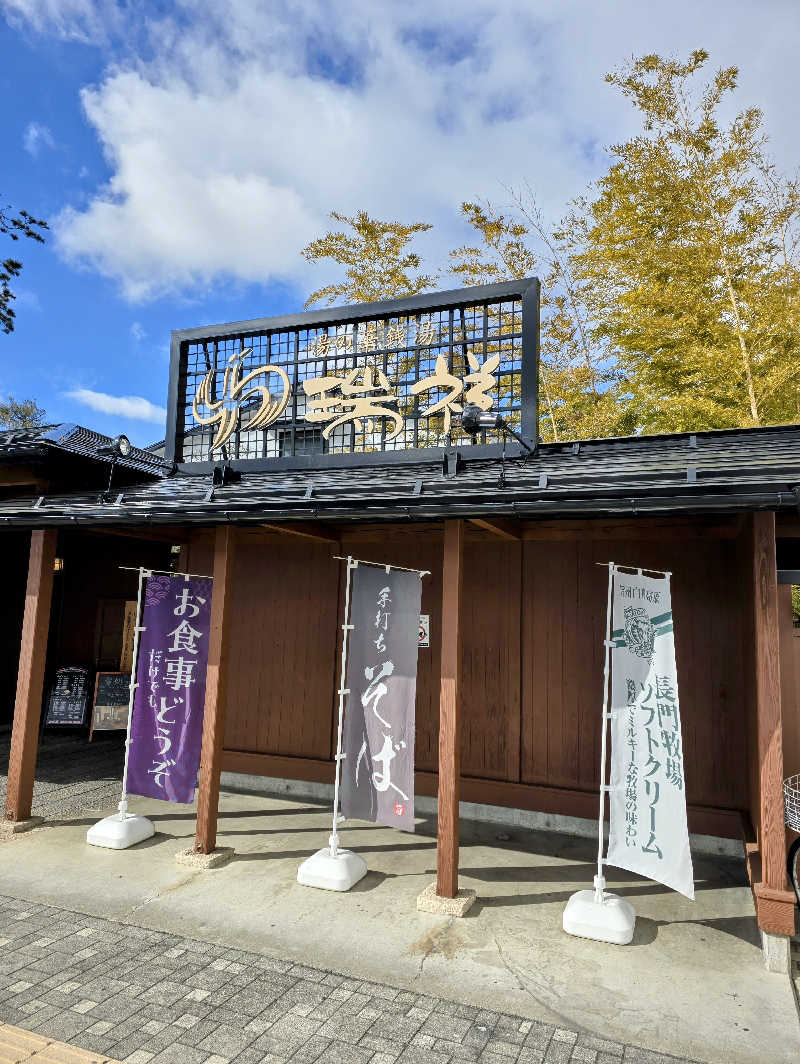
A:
<point x="283" y="642"/>
<point x="533" y="616"/>
<point x="490" y="660"/>
<point x="563" y="625"/>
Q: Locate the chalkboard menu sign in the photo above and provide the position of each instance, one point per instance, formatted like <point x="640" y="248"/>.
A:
<point x="112" y="692"/>
<point x="69" y="697"/>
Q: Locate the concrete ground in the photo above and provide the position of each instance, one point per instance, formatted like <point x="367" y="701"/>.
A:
<point x="691" y="984"/>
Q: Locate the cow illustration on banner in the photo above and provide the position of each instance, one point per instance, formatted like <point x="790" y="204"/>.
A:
<point x="378" y="766"/>
<point x="648" y="832"/>
<point x="167" y="724"/>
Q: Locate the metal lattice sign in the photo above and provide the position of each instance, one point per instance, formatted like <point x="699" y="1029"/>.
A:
<point x="363" y="380"/>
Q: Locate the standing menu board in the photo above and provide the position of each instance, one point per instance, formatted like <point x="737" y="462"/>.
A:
<point x="68" y="701"/>
<point x="112" y="692"/>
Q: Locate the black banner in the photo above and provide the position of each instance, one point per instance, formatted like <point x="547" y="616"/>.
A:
<point x="378" y="769"/>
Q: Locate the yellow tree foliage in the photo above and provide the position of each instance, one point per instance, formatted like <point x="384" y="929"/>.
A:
<point x="578" y="399"/>
<point x="687" y="251"/>
<point x="378" y="264"/>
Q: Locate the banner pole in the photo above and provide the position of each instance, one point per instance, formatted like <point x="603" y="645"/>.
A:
<point x="600" y="881"/>
<point x="123" y="805"/>
<point x="333" y="842"/>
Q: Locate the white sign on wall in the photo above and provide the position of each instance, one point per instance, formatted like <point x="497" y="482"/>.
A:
<point x="424" y="630"/>
<point x="648" y="832"/>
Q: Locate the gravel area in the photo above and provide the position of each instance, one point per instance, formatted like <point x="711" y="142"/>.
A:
<point x="73" y="776"/>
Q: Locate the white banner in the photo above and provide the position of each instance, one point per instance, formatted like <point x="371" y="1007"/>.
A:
<point x="648" y="834"/>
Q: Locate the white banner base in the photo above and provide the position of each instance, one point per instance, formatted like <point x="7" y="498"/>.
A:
<point x="332" y="872"/>
<point x="119" y="831"/>
<point x="611" y="919"/>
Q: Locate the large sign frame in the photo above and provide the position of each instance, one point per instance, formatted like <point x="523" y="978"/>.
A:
<point x="370" y="383"/>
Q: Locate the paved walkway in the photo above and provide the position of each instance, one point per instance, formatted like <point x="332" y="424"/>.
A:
<point x="147" y="997"/>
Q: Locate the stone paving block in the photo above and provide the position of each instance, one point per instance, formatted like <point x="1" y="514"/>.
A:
<point x="163" y="993"/>
<point x="531" y="1055"/>
<point x="64" y="1026"/>
<point x="95" y="1043"/>
<point x="558" y="1053"/>
<point x="310" y="1051"/>
<point x="458" y="1051"/>
<point x="259" y="1056"/>
<point x="499" y="1047"/>
<point x="343" y="1053"/>
<point x="583" y="1055"/>
<point x="179" y="1054"/>
<point x="419" y="1055"/>
<point x="540" y="1035"/>
<point x="395" y="1028"/>
<point x="442" y="1025"/>
<point x="123" y="1048"/>
<point x="346" y="1028"/>
<point x="227" y="1041"/>
<point x="195" y="1034"/>
<point x="602" y="1045"/>
<point x="163" y="1039"/>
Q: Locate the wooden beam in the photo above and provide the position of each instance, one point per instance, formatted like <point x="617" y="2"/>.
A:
<point x="449" y="712"/>
<point x="306" y="530"/>
<point x="498" y="526"/>
<point x="160" y="535"/>
<point x="30" y="678"/>
<point x="642" y="528"/>
<point x="216" y="691"/>
<point x="771" y="830"/>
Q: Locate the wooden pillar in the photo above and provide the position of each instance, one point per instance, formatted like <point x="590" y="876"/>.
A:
<point x="216" y="692"/>
<point x="30" y="678"/>
<point x="771" y="892"/>
<point x="449" y="712"/>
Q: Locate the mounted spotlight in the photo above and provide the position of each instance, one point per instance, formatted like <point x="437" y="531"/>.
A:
<point x="119" y="447"/>
<point x="475" y="420"/>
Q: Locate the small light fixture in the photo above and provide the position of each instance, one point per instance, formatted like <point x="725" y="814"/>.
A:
<point x="119" y="447"/>
<point x="58" y="565"/>
<point x="475" y="420"/>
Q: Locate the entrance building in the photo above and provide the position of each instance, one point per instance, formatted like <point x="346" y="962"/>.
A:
<point x="294" y="440"/>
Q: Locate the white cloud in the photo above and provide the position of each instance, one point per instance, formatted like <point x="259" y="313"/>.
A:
<point x="76" y="20"/>
<point x="36" y="137"/>
<point x="138" y="332"/>
<point x="245" y="123"/>
<point x="130" y="406"/>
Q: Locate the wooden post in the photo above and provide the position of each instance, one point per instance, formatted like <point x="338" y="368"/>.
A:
<point x="449" y="712"/>
<point x="771" y="893"/>
<point x="216" y="693"/>
<point x="30" y="678"/>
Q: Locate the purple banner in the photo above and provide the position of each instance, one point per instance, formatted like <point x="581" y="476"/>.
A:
<point x="167" y="726"/>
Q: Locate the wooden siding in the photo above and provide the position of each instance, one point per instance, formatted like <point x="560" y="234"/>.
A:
<point x="533" y="614"/>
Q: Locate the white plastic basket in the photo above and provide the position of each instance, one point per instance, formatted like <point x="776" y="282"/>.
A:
<point x="791" y="799"/>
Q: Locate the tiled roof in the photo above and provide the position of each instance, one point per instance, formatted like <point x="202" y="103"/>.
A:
<point x="712" y="472"/>
<point x="74" y="439"/>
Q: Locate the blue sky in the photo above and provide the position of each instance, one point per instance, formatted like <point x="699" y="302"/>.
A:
<point x="184" y="153"/>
